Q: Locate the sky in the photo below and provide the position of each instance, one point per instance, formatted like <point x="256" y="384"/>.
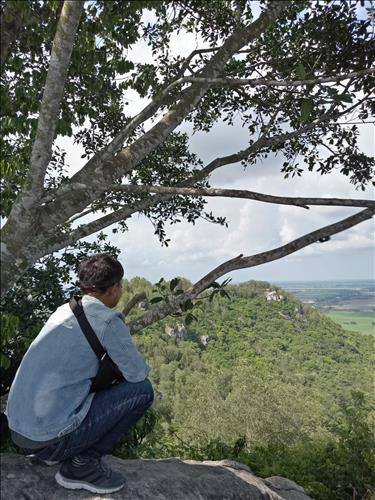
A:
<point x="253" y="226"/>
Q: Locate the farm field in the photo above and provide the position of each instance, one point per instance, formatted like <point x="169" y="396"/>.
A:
<point x="346" y="295"/>
<point x="361" y="322"/>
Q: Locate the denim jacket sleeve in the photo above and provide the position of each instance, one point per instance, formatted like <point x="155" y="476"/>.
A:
<point x="121" y="348"/>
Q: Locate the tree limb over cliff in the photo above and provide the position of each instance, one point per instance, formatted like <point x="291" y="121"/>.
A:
<point x="320" y="235"/>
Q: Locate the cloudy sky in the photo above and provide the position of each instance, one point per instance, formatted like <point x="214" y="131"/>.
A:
<point x="253" y="227"/>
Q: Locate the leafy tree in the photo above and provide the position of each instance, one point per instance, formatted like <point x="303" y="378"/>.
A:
<point x="340" y="467"/>
<point x="293" y="75"/>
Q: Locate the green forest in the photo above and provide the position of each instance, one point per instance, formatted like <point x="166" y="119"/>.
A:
<point x="252" y="374"/>
<point x="270" y="383"/>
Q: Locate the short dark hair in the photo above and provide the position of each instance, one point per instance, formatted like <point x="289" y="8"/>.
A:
<point x="99" y="272"/>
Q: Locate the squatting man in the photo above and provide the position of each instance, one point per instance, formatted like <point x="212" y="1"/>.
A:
<point x="53" y="413"/>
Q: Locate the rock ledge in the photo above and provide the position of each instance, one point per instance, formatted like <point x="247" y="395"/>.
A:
<point x="169" y="479"/>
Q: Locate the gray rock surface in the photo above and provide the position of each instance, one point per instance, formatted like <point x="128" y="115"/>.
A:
<point x="170" y="479"/>
<point x="178" y="331"/>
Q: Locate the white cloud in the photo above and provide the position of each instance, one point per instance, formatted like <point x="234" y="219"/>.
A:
<point x="296" y="223"/>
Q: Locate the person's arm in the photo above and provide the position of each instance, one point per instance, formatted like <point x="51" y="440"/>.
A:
<point x="119" y="345"/>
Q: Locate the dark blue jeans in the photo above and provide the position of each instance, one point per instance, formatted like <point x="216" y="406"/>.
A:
<point x="112" y="413"/>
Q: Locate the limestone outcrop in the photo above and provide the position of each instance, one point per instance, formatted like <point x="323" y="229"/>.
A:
<point x="169" y="479"/>
<point x="178" y="331"/>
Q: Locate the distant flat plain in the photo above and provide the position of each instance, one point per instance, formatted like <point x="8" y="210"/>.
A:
<point x="350" y="303"/>
<point x="360" y="322"/>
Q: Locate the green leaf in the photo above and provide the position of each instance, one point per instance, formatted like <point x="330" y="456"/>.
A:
<point x="306" y="109"/>
<point x="224" y="293"/>
<point x="188" y="304"/>
<point x="4" y="361"/>
<point x="215" y="285"/>
<point x="154" y="300"/>
<point x="301" y="71"/>
<point x="345" y="98"/>
<point x="190" y="318"/>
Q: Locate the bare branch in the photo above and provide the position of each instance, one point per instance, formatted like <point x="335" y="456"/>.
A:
<point x="133" y="302"/>
<point x="188" y="60"/>
<point x="80" y="215"/>
<point x="241" y="193"/>
<point x="54" y="243"/>
<point x="53" y="91"/>
<point x="234" y="82"/>
<point x="262" y="142"/>
<point x="242" y="262"/>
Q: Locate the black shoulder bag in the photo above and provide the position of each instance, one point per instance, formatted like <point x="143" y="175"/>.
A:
<point x="109" y="373"/>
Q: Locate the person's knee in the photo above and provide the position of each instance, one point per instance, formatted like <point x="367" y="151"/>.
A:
<point x="142" y="391"/>
<point x="148" y="390"/>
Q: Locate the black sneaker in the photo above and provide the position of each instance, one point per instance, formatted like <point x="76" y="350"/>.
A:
<point x="93" y="476"/>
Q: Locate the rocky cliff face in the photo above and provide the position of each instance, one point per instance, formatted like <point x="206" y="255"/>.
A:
<point x="171" y="479"/>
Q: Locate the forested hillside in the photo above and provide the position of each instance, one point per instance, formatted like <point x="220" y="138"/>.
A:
<point x="265" y="379"/>
<point x="257" y="377"/>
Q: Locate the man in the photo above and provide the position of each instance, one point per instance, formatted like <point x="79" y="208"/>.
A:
<point x="50" y="407"/>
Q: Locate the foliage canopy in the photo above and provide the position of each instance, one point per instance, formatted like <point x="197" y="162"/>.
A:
<point x="296" y="76"/>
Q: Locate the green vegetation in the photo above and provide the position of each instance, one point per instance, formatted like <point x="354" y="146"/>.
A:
<point x="270" y="383"/>
<point x="360" y="322"/>
<point x="278" y="386"/>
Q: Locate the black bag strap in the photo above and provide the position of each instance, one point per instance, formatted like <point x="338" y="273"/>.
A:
<point x="76" y="306"/>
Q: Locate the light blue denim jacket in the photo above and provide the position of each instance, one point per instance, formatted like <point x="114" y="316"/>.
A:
<point x="50" y="395"/>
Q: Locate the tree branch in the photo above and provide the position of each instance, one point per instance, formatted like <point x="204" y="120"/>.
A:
<point x="234" y="82"/>
<point x="188" y="60"/>
<point x="242" y="262"/>
<point x="52" y="95"/>
<point x="107" y="154"/>
<point x="53" y="243"/>
<point x="56" y="243"/>
<point x="259" y="144"/>
<point x="53" y="213"/>
<point x="81" y="214"/>
<point x="241" y="193"/>
<point x="133" y="302"/>
<point x="132" y="155"/>
<point x="161" y="98"/>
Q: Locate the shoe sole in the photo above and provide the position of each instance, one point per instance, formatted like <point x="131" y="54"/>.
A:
<point x="73" y="484"/>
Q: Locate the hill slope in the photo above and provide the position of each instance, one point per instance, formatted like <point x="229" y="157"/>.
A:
<point x="260" y="371"/>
